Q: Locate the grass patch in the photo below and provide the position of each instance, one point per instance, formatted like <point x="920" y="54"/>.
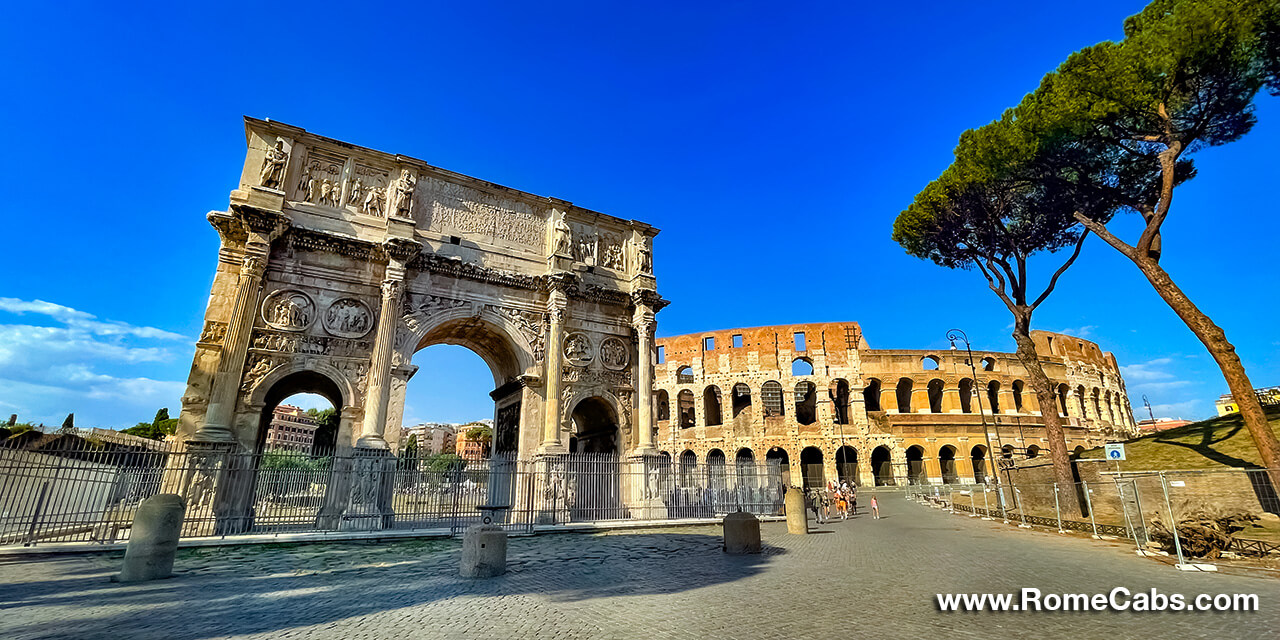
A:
<point x="1216" y="443"/>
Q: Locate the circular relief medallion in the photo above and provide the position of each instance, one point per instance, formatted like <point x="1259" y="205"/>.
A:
<point x="577" y="349"/>
<point x="289" y="310"/>
<point x="613" y="353"/>
<point x="348" y="318"/>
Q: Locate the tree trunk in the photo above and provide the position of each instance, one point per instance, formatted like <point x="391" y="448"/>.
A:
<point x="1049" y="412"/>
<point x="1224" y="353"/>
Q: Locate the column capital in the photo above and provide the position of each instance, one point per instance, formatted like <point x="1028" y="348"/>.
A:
<point x="260" y="225"/>
<point x="401" y="250"/>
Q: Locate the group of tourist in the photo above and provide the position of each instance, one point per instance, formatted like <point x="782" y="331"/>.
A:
<point x="836" y="500"/>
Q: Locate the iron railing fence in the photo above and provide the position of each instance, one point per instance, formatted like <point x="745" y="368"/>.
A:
<point x="90" y="494"/>
<point x="1193" y="514"/>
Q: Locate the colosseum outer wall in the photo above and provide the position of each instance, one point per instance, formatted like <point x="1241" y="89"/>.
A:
<point x="807" y="396"/>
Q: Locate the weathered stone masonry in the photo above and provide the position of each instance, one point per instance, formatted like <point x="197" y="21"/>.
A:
<point x="904" y="415"/>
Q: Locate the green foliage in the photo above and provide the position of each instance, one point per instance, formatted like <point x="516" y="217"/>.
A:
<point x="443" y="462"/>
<point x="289" y="460"/>
<point x="22" y="427"/>
<point x="145" y="430"/>
<point x="411" y="446"/>
<point x="161" y="416"/>
<point x="480" y="432"/>
<point x="327" y="427"/>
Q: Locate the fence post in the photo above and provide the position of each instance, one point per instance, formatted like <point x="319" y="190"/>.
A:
<point x="1057" y="507"/>
<point x="1173" y="523"/>
<point x="1088" y="504"/>
<point x="35" y="517"/>
<point x="1004" y="504"/>
<point x="973" y="509"/>
<point x="986" y="504"/>
<point x="1022" y="514"/>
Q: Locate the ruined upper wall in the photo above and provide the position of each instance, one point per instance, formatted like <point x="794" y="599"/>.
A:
<point x="336" y="187"/>
<point x="831" y="344"/>
<point x="1070" y="347"/>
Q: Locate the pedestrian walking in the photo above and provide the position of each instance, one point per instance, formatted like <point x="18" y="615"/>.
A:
<point x="814" y="503"/>
<point x="875" y="508"/>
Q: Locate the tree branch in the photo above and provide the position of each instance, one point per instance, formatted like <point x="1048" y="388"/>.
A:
<point x="1053" y="282"/>
<point x="1100" y="230"/>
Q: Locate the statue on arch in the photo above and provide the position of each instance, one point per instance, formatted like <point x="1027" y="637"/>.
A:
<point x="562" y="237"/>
<point x="403" y="201"/>
<point x="272" y="173"/>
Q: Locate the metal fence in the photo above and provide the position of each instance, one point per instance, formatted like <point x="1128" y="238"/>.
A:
<point x="90" y="493"/>
<point x="1193" y="515"/>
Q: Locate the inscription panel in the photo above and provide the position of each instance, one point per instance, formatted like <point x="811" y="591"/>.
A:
<point x="459" y="210"/>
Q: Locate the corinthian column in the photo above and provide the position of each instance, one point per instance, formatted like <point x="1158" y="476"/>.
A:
<point x="555" y="353"/>
<point x="235" y="346"/>
<point x="399" y="253"/>
<point x="642" y="322"/>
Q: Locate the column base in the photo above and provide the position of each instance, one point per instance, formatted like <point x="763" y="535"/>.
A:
<point x="551" y="449"/>
<point x="212" y="434"/>
<point x="372" y="442"/>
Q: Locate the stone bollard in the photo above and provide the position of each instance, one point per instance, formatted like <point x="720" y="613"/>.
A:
<point x="484" y="551"/>
<point x="797" y="516"/>
<point x="741" y="534"/>
<point x="153" y="540"/>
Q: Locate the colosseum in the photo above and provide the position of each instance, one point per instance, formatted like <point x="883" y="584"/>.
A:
<point x="817" y="396"/>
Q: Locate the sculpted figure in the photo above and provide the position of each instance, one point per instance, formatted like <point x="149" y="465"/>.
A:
<point x="272" y="173"/>
<point x="354" y="198"/>
<point x="562" y="236"/>
<point x="646" y="256"/>
<point x="404" y="194"/>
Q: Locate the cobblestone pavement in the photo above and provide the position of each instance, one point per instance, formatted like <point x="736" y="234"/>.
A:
<point x="856" y="577"/>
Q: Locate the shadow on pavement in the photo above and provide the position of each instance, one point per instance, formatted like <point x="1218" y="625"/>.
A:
<point x="262" y="593"/>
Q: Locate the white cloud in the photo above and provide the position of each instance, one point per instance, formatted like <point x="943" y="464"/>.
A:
<point x="1188" y="409"/>
<point x="86" y="366"/>
<point x="1149" y="371"/>
<point x="1079" y="332"/>
<point x="76" y="319"/>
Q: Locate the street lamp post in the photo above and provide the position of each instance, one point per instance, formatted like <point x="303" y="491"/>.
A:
<point x="952" y="336"/>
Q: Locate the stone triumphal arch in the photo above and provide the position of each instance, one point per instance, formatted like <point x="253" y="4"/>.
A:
<point x="338" y="263"/>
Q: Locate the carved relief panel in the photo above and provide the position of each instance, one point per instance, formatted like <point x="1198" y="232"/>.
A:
<point x="368" y="190"/>
<point x="577" y="349"/>
<point x="288" y="310"/>
<point x="321" y="179"/>
<point x="348" y="318"/>
<point x="612" y="255"/>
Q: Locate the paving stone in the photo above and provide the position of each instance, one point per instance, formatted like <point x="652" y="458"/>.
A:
<point x="860" y="576"/>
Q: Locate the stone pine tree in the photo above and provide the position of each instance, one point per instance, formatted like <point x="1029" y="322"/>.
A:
<point x="1184" y="77"/>
<point x="993" y="210"/>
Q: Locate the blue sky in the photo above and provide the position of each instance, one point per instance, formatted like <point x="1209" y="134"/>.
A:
<point x="773" y="145"/>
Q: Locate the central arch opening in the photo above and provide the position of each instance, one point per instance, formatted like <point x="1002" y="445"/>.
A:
<point x="298" y="429"/>
<point x="595" y="427"/>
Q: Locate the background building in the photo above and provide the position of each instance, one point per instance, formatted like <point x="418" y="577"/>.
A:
<point x="1266" y="395"/>
<point x="291" y="428"/>
<point x="432" y="438"/>
<point x="1160" y="424"/>
<point x="815" y="398"/>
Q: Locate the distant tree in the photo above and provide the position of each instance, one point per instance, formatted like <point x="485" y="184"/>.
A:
<point x="1184" y="77"/>
<point x="22" y="427"/>
<point x="411" y="446"/>
<point x="326" y="435"/>
<point x="993" y="210"/>
<point x="145" y="430"/>
<point x="69" y="423"/>
<point x="161" y="416"/>
<point x="443" y="462"/>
